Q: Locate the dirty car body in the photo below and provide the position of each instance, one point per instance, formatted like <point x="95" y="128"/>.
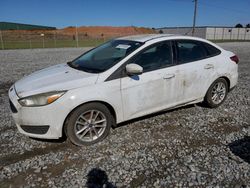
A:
<point x="129" y="77"/>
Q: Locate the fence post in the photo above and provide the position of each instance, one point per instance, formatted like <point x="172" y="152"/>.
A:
<point x="231" y="33"/>
<point x="55" y="38"/>
<point x="1" y="38"/>
<point x="96" y="41"/>
<point x="223" y="32"/>
<point x="215" y="33"/>
<point x="245" y="34"/>
<point x="76" y="38"/>
<point x="238" y="34"/>
<point x="30" y="44"/>
<point x="42" y="35"/>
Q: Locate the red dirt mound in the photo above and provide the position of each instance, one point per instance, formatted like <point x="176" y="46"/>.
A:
<point x="108" y="31"/>
<point x="69" y="33"/>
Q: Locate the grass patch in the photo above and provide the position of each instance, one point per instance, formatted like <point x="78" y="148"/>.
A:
<point x="29" y="44"/>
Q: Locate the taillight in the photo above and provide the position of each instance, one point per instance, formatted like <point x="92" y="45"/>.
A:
<point x="235" y="59"/>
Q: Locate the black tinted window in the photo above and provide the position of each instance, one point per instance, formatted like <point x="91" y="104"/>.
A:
<point x="212" y="51"/>
<point x="154" y="57"/>
<point x="188" y="51"/>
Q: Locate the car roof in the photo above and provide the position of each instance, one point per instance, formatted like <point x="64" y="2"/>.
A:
<point x="158" y="37"/>
<point x="150" y="37"/>
<point x="145" y="37"/>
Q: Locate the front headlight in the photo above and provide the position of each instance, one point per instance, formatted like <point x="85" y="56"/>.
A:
<point x="41" y="99"/>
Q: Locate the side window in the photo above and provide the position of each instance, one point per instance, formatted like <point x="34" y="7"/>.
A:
<point x="154" y="57"/>
<point x="188" y="51"/>
<point x="212" y="51"/>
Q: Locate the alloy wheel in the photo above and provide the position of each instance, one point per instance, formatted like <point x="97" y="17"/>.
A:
<point x="218" y="92"/>
<point x="90" y="125"/>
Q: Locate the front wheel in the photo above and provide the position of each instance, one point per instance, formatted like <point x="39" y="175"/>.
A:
<point x="89" y="124"/>
<point x="216" y="93"/>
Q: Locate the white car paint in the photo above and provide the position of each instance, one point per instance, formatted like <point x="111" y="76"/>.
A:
<point x="53" y="78"/>
<point x="148" y="94"/>
<point x="129" y="97"/>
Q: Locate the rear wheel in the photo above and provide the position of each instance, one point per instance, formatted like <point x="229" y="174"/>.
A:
<point x="89" y="124"/>
<point x="216" y="93"/>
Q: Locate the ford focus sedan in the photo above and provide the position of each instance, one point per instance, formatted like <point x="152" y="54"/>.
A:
<point x="122" y="79"/>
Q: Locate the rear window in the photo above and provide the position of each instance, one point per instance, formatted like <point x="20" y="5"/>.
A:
<point x="189" y="51"/>
<point x="212" y="51"/>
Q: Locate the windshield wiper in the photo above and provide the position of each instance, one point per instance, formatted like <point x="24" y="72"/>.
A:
<point x="89" y="70"/>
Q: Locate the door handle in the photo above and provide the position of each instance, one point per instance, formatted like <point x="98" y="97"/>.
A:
<point x="209" y="66"/>
<point x="168" y="76"/>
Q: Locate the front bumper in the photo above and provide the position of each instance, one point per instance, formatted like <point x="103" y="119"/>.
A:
<point x="39" y="122"/>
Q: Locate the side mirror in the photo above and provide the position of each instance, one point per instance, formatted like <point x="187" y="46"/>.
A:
<point x="133" y="69"/>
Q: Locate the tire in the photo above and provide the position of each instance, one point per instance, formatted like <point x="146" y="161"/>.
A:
<point x="221" y="92"/>
<point x="89" y="124"/>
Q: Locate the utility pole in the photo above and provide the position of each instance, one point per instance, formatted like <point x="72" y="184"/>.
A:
<point x="194" y="20"/>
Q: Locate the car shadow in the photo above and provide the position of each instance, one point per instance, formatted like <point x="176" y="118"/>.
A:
<point x="241" y="148"/>
<point x="97" y="178"/>
<point x="4" y="87"/>
<point x="152" y="115"/>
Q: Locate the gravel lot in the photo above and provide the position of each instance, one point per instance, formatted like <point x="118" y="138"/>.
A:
<point x="190" y="146"/>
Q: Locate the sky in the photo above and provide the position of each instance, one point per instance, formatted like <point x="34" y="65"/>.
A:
<point x="143" y="13"/>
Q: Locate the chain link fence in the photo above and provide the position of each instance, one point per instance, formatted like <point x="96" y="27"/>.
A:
<point x="24" y="39"/>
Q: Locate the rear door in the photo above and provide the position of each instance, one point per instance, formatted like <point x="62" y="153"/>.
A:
<point x="195" y="68"/>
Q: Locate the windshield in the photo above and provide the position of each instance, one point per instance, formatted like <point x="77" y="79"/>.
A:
<point x="105" y="56"/>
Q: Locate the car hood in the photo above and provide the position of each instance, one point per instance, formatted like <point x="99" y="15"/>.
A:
<point x="56" y="78"/>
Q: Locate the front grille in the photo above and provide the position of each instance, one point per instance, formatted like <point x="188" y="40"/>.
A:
<point x="41" y="129"/>
<point x="12" y="107"/>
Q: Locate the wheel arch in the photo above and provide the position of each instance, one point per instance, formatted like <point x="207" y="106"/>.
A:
<point x="207" y="100"/>
<point x="224" y="77"/>
<point x="227" y="80"/>
<point x="109" y="106"/>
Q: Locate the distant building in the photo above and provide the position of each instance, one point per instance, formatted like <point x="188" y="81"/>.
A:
<point x="19" y="26"/>
<point x="210" y="32"/>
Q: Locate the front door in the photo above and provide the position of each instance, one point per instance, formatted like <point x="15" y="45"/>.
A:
<point x="154" y="89"/>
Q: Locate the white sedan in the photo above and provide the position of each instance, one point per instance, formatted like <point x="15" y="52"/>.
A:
<point x="123" y="79"/>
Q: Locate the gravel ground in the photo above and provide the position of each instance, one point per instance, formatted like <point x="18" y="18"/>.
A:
<point x="190" y="146"/>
